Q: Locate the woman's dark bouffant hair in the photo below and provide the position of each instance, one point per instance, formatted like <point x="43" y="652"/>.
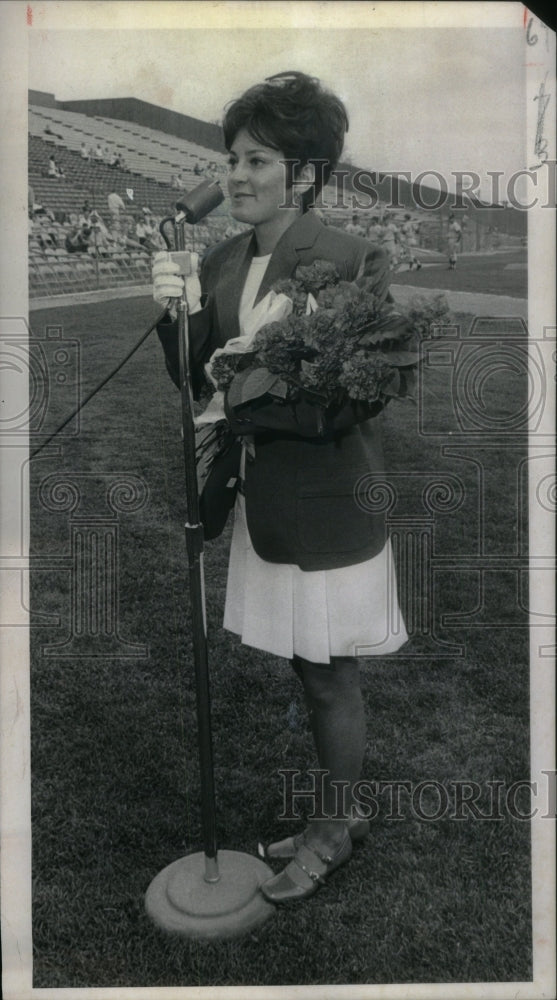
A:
<point x="293" y="113"/>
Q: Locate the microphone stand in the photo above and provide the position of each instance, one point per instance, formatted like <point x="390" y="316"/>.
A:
<point x="214" y="895"/>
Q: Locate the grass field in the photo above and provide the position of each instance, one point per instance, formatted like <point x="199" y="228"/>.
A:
<point x="115" y="784"/>
<point x="493" y="273"/>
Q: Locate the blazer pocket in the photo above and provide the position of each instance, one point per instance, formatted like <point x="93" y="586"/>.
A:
<point x="329" y="518"/>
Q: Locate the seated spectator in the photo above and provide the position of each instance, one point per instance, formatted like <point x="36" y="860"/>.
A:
<point x="155" y="240"/>
<point x="60" y="171"/>
<point x="114" y="160"/>
<point x="78" y="240"/>
<point x="52" y="168"/>
<point x="147" y="233"/>
<point x="142" y="232"/>
<point x="91" y="152"/>
<point x="106" y="154"/>
<point x="48" y="131"/>
<point x="98" y="244"/>
<point x="99" y="153"/>
<point x="83" y="151"/>
<point x="83" y="218"/>
<point x="197" y="169"/>
<point x="96" y="223"/>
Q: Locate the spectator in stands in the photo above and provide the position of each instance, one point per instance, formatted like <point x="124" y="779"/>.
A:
<point x="142" y="230"/>
<point x="147" y="234"/>
<point x="84" y="217"/>
<point x="106" y="154"/>
<point x="115" y="206"/>
<point x="114" y="160"/>
<point x="197" y="169"/>
<point x="99" y="242"/>
<point x="45" y="233"/>
<point x="99" y="153"/>
<point x="155" y="240"/>
<point x="52" y="168"/>
<point x="78" y="240"/>
<point x="91" y="152"/>
<point x="49" y="132"/>
<point x="83" y="151"/>
<point x="96" y="222"/>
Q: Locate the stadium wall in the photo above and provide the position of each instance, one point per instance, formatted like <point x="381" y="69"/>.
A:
<point x="43" y="100"/>
<point x="130" y="109"/>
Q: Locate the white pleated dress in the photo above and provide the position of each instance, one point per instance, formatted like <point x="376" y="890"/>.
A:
<point x="284" y="610"/>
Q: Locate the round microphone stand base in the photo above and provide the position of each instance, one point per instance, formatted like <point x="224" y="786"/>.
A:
<point x="181" y="901"/>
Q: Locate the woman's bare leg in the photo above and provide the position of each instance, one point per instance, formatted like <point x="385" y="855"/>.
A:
<point x="336" y="713"/>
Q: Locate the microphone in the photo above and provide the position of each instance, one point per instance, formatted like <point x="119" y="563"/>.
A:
<point x="202" y="200"/>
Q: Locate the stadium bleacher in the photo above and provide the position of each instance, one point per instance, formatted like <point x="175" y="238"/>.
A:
<point x="150" y="161"/>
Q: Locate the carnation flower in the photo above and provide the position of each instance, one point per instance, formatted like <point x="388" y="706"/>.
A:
<point x="223" y="369"/>
<point x="367" y="377"/>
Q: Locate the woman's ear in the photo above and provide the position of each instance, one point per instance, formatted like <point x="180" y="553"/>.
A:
<point x="306" y="177"/>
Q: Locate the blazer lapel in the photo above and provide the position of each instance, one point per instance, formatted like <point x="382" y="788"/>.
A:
<point x="285" y="258"/>
<point x="228" y="290"/>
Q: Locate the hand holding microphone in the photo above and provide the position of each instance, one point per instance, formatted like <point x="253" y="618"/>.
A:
<point x="174" y="269"/>
<point x="171" y="271"/>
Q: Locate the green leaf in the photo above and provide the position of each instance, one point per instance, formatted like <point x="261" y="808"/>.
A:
<point x="280" y="388"/>
<point x="249" y="385"/>
<point x="391" y="387"/>
<point x="399" y="358"/>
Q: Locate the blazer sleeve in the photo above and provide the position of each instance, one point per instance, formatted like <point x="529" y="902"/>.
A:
<point x="199" y="339"/>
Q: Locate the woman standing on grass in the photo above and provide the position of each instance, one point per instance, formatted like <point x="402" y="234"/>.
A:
<point x="310" y="576"/>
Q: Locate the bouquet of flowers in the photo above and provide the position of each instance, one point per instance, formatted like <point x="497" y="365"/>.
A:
<point x="338" y="343"/>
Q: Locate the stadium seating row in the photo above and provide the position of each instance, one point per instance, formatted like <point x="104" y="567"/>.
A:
<point x="65" y="274"/>
<point x="153" y="154"/>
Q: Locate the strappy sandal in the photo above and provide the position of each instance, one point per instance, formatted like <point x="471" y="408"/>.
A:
<point x="307" y="871"/>
<point x="358" y="828"/>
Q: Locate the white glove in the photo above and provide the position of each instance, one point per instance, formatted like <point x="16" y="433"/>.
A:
<point x="168" y="283"/>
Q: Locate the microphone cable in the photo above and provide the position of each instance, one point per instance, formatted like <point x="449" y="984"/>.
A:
<point x="97" y="388"/>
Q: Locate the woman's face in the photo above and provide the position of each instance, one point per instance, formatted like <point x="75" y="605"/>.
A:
<point x="256" y="181"/>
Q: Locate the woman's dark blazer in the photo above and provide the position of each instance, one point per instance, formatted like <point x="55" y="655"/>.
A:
<point x="305" y="483"/>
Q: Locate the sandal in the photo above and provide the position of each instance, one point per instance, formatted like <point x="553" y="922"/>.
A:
<point x="358" y="828"/>
<point x="306" y="872"/>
